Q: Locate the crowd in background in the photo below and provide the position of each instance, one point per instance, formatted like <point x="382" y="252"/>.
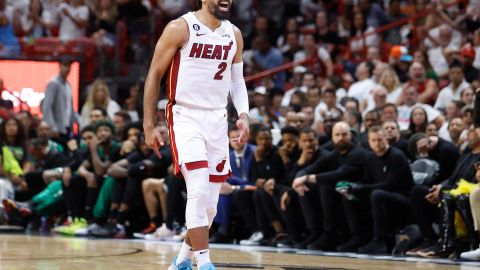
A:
<point x="370" y="139"/>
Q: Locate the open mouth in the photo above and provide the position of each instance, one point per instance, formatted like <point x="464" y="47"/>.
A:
<point x="224" y="6"/>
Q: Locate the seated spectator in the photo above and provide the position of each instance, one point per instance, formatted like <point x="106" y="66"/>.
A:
<point x="346" y="162"/>
<point x="103" y="16"/>
<point x="467" y="96"/>
<point x="29" y="124"/>
<point x="385" y="184"/>
<point x="44" y="132"/>
<point x="257" y="211"/>
<point x="121" y="119"/>
<point x="453" y="110"/>
<point x="81" y="191"/>
<point x="241" y="156"/>
<point x="266" y="57"/>
<point x="441" y="41"/>
<point x="427" y="88"/>
<point x="411" y="100"/>
<point x="310" y="153"/>
<point x="14" y="155"/>
<point x="323" y="64"/>
<point x="98" y="96"/>
<point x="418" y="121"/>
<point x="455" y="129"/>
<point x="359" y="28"/>
<point x="8" y="41"/>
<point x="474" y="255"/>
<point x="361" y="89"/>
<point x="34" y="23"/>
<point x="389" y="112"/>
<point x="377" y="98"/>
<point x="454" y="89"/>
<point x="389" y="79"/>
<point x="73" y="19"/>
<point x="392" y="133"/>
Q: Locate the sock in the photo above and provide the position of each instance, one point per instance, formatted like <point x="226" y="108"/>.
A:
<point x="91" y="197"/>
<point x="157" y="221"/>
<point x="185" y="253"/>
<point x="121" y="217"/>
<point x="203" y="257"/>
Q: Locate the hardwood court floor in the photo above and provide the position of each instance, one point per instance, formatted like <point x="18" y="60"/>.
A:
<point x="23" y="252"/>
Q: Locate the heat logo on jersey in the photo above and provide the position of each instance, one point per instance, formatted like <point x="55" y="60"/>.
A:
<point x="209" y="51"/>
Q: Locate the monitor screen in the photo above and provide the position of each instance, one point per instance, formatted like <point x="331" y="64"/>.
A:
<point x="25" y="82"/>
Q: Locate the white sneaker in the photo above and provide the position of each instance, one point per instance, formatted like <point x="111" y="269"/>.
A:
<point x="473" y="255"/>
<point x="254" y="240"/>
<point x="161" y="233"/>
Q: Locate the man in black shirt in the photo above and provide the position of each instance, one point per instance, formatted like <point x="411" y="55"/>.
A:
<point x="425" y="199"/>
<point x="310" y="152"/>
<point x="345" y="163"/>
<point x="386" y="183"/>
<point x="392" y="132"/>
<point x="267" y="173"/>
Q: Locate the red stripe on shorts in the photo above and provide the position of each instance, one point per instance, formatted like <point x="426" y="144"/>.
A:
<point x="196" y="165"/>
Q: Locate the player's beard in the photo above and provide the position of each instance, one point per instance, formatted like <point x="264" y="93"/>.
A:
<point x="214" y="8"/>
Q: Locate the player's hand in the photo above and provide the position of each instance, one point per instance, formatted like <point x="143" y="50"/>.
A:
<point x="154" y="140"/>
<point x="242" y="124"/>
<point x="284" y="201"/>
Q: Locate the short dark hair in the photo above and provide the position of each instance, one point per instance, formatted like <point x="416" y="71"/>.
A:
<point x="88" y="128"/>
<point x="104" y="112"/>
<point x="290" y="130"/>
<point x="124" y="114"/>
<point x="389" y="105"/>
<point x="136" y="125"/>
<point x="38" y="142"/>
<point x="375" y="129"/>
<point x="306" y="130"/>
<point x="357" y="115"/>
<point x="105" y="123"/>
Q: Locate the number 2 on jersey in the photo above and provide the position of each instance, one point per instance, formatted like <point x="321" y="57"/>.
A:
<point x="221" y="68"/>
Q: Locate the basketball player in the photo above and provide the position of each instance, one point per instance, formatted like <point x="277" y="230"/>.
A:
<point x="203" y="54"/>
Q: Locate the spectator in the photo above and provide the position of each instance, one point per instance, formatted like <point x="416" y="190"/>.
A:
<point x="431" y="130"/>
<point x="391" y="82"/>
<point x="346" y="162"/>
<point x="374" y="14"/>
<point x="386" y="183"/>
<point x="242" y="154"/>
<point x="360" y="27"/>
<point x="102" y="26"/>
<point x="44" y="132"/>
<point x="57" y="106"/>
<point x="257" y="211"/>
<point x="8" y="41"/>
<point x="467" y="96"/>
<point x="453" y="110"/>
<point x="411" y="99"/>
<point x="14" y="147"/>
<point x="418" y="121"/>
<point x="120" y="120"/>
<point x="455" y="130"/>
<point x="441" y="41"/>
<point x="454" y="89"/>
<point x="427" y="88"/>
<point x="322" y="62"/>
<point x="376" y="99"/>
<point x="365" y="84"/>
<point x="303" y="80"/>
<point x="29" y="124"/>
<point x="73" y="19"/>
<point x="34" y="23"/>
<point x="392" y="133"/>
<point x="98" y="96"/>
<point x="389" y="112"/>
<point x="329" y="39"/>
<point x="266" y="57"/>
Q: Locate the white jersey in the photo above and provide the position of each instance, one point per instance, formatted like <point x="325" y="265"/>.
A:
<point x="200" y="73"/>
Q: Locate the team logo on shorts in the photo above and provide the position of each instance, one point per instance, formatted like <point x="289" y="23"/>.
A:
<point x="196" y="27"/>
<point x="221" y="166"/>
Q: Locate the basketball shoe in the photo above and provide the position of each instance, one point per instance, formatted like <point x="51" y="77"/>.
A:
<point x="186" y="265"/>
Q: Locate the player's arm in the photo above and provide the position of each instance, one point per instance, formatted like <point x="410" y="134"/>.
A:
<point x="172" y="39"/>
<point x="239" y="89"/>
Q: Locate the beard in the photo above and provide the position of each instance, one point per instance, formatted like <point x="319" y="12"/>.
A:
<point x="215" y="10"/>
<point x="342" y="146"/>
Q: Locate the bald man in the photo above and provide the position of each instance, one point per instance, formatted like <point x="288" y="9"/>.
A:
<point x="346" y="161"/>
